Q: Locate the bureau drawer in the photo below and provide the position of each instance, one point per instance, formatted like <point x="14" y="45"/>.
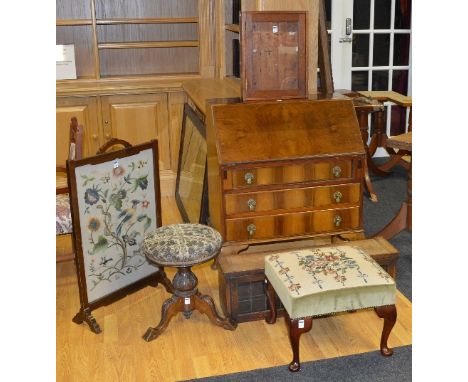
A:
<point x="293" y="224"/>
<point x="287" y="174"/>
<point x="294" y="198"/>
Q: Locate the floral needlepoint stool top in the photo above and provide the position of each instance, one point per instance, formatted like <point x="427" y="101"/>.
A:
<point x="326" y="280"/>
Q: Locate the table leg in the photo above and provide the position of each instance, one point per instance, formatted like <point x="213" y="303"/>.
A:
<point x="362" y="118"/>
<point x="403" y="219"/>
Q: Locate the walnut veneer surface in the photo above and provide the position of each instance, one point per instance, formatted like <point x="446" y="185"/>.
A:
<point x="282" y="170"/>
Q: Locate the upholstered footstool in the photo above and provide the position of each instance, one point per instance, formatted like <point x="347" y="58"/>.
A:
<point x="322" y="281"/>
<point x="182" y="246"/>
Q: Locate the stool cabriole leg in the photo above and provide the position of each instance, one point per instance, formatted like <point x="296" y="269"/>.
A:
<point x="271" y="298"/>
<point x="169" y="309"/>
<point x="296" y="327"/>
<point x="205" y="304"/>
<point x="185" y="299"/>
<point x="389" y="314"/>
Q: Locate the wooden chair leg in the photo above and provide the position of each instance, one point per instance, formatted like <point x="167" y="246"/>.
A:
<point x="271" y="298"/>
<point x="389" y="314"/>
<point x="296" y="328"/>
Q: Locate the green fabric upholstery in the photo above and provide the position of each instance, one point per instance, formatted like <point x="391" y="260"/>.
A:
<point x="318" y="281"/>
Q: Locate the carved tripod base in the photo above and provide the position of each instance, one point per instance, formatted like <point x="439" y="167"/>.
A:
<point x="298" y="326"/>
<point x="186" y="299"/>
<point x="84" y="315"/>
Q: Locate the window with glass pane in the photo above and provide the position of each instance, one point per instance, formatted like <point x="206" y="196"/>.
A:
<point x="382" y="10"/>
<point x="400" y="81"/>
<point x="359" y="80"/>
<point x="401" y="47"/>
<point x="380" y="80"/>
<point x="360" y="50"/>
<point x="402" y="14"/>
<point x="361" y="14"/>
<point x="381" y="49"/>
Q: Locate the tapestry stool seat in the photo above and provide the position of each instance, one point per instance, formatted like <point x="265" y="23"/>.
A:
<point x="182" y="246"/>
<point x="326" y="280"/>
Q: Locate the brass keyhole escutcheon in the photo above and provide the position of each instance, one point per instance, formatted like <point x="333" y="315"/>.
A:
<point x="251" y="230"/>
<point x="337" y="220"/>
<point x="249" y="178"/>
<point x="336" y="171"/>
<point x="251" y="203"/>
<point x="337" y="195"/>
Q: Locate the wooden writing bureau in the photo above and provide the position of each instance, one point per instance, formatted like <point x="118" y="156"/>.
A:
<point x="281" y="171"/>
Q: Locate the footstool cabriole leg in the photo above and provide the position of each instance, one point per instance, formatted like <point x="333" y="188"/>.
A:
<point x="389" y="314"/>
<point x="297" y="326"/>
<point x="271" y="298"/>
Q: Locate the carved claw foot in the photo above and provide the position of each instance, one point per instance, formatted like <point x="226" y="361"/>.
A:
<point x="151" y="334"/>
<point x="169" y="309"/>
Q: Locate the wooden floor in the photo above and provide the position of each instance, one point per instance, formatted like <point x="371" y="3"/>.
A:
<point x="195" y="348"/>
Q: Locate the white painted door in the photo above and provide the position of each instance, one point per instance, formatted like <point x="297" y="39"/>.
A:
<point x="374" y="52"/>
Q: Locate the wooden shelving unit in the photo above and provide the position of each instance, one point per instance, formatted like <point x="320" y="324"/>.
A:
<point x="131" y="60"/>
<point x="136" y="38"/>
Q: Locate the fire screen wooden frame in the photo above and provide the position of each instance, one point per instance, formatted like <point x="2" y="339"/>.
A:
<point x="115" y="198"/>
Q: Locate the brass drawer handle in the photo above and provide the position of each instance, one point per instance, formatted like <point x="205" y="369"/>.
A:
<point x="337" y="220"/>
<point x="251" y="203"/>
<point x="336" y="171"/>
<point x="251" y="230"/>
<point x="249" y="178"/>
<point x="337" y="195"/>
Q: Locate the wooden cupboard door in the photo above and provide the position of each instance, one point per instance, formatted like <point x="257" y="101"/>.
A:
<point x="86" y="111"/>
<point x="138" y="119"/>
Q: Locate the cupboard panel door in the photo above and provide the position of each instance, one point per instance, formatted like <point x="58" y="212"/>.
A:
<point x="86" y="111"/>
<point x="138" y="119"/>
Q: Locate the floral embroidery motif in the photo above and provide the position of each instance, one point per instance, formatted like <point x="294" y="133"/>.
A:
<point x="116" y="220"/>
<point x="333" y="262"/>
<point x="283" y="271"/>
<point x="374" y="264"/>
